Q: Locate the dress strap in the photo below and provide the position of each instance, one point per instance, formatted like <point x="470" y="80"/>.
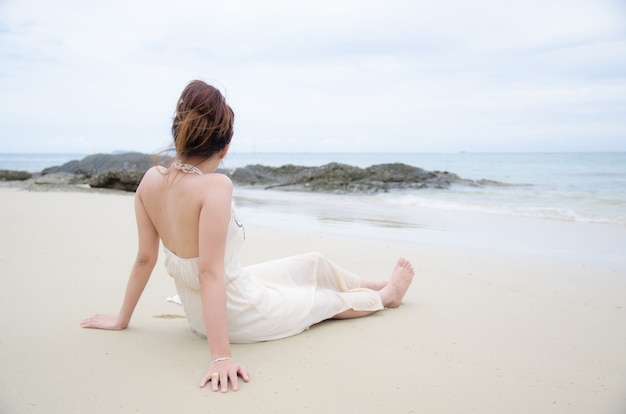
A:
<point x="186" y="168"/>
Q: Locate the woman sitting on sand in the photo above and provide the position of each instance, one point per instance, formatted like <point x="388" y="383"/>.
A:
<point x="188" y="208"/>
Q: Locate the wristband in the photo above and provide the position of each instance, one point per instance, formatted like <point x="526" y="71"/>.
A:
<point x="220" y="360"/>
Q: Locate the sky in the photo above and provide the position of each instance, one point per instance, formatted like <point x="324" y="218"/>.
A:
<point x="322" y="76"/>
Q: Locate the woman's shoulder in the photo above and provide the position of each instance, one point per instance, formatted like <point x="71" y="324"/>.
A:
<point x="152" y="175"/>
<point x="215" y="183"/>
<point x="154" y="171"/>
<point x="219" y="179"/>
<point x="214" y="191"/>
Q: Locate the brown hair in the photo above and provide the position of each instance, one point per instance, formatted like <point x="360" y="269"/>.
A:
<point x="203" y="122"/>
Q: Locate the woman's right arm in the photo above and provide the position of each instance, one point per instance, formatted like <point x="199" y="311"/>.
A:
<point x="145" y="261"/>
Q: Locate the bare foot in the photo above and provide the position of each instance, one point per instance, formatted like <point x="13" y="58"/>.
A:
<point x="401" y="279"/>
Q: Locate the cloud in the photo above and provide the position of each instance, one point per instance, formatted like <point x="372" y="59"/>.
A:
<point x="318" y="76"/>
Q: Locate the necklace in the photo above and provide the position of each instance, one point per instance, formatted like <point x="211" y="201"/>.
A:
<point x="186" y="168"/>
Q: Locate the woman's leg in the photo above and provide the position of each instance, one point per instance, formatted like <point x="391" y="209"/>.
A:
<point x="373" y="285"/>
<point x="352" y="314"/>
<point x="391" y="293"/>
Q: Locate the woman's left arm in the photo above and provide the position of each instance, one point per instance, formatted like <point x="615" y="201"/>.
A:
<point x="215" y="216"/>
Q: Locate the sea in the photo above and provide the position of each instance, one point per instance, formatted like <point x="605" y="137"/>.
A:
<point x="545" y="189"/>
<point x="586" y="187"/>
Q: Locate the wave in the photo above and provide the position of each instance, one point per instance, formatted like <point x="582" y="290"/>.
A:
<point x="388" y="207"/>
<point x="582" y="210"/>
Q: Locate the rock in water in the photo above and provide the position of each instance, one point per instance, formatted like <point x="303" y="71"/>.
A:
<point x="60" y="178"/>
<point x="10" y="175"/>
<point x="341" y="178"/>
<point x="127" y="180"/>
<point x="100" y="163"/>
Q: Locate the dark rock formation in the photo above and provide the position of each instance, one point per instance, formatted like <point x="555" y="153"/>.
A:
<point x="60" y="178"/>
<point x="263" y="175"/>
<point x="93" y="165"/>
<point x="70" y="167"/>
<point x="127" y="180"/>
<point x="343" y="178"/>
<point x="10" y="175"/>
<point x="121" y="171"/>
<point x="125" y="171"/>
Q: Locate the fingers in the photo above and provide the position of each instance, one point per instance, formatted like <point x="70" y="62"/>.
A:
<point x="109" y="322"/>
<point x="233" y="376"/>
<point x="96" y="321"/>
<point x="219" y="379"/>
<point x="204" y="380"/>
<point x="216" y="379"/>
<point x="243" y="373"/>
<point x="91" y="322"/>
<point x="234" y="382"/>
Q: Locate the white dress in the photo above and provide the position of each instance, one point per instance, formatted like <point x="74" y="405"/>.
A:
<point x="275" y="299"/>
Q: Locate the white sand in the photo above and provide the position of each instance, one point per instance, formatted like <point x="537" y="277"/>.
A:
<point x="479" y="332"/>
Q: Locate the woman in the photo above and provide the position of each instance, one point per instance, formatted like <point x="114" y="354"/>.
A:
<point x="187" y="207"/>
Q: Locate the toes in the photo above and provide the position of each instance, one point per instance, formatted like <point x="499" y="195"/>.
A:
<point x="405" y="264"/>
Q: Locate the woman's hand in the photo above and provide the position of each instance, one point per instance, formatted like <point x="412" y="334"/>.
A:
<point x="223" y="370"/>
<point x="109" y="322"/>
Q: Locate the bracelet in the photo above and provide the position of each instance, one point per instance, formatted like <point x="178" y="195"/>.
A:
<point x="220" y="360"/>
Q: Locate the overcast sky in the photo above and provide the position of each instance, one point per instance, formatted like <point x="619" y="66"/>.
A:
<point x="384" y="76"/>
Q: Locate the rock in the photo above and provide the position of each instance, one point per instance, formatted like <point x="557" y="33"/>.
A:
<point x="11" y="175"/>
<point x="96" y="164"/>
<point x="121" y="171"/>
<point x="70" y="167"/>
<point x="264" y="175"/>
<point x="124" y="171"/>
<point x="484" y="182"/>
<point x="335" y="177"/>
<point x="60" y="178"/>
<point x="127" y="180"/>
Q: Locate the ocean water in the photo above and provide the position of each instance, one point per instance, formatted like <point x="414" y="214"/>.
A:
<point x="558" y="204"/>
<point x="579" y="187"/>
<point x="586" y="187"/>
<point x="35" y="162"/>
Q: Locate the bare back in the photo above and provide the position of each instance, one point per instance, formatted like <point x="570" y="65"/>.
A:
<point x="174" y="200"/>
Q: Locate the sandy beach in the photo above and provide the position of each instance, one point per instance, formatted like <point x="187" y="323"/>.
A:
<point x="480" y="331"/>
